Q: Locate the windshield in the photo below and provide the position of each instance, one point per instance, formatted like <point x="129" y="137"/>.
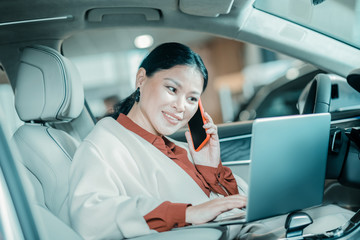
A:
<point x="339" y="19"/>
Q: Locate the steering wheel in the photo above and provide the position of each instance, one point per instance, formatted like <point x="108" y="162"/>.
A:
<point x="316" y="96"/>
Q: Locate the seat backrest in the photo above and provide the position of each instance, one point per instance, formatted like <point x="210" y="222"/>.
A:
<point x="48" y="89"/>
<point x="8" y="117"/>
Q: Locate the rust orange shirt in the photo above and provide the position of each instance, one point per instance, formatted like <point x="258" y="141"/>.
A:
<point x="169" y="215"/>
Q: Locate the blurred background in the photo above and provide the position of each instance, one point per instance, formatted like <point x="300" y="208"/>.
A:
<point x="240" y="74"/>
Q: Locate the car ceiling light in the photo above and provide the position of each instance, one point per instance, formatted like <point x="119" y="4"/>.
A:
<point x="144" y="41"/>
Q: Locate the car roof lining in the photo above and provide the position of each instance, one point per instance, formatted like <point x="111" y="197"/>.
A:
<point x="242" y="22"/>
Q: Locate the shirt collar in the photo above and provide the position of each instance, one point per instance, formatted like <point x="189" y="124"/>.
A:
<point x="151" y="138"/>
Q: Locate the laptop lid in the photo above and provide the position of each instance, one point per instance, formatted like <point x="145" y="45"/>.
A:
<point x="288" y="163"/>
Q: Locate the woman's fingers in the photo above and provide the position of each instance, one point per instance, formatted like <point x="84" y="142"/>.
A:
<point x="234" y="201"/>
<point x="210" y="127"/>
<point x="208" y="118"/>
<point x="207" y="211"/>
<point x="211" y="131"/>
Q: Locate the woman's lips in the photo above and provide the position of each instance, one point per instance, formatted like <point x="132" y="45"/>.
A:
<point x="172" y="118"/>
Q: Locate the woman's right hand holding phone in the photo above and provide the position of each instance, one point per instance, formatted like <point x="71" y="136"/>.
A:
<point x="209" y="155"/>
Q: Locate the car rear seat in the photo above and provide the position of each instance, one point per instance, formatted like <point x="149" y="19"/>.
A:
<point x="49" y="90"/>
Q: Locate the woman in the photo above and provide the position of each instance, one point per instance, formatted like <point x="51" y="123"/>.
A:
<point x="127" y="179"/>
<point x="128" y="169"/>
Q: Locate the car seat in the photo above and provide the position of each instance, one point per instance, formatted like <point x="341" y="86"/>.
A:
<point x="9" y="119"/>
<point x="48" y="89"/>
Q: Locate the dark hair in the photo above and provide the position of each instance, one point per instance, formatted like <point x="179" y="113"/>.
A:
<point x="164" y="56"/>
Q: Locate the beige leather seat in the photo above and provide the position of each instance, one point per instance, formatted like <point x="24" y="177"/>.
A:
<point x="8" y="117"/>
<point x="48" y="89"/>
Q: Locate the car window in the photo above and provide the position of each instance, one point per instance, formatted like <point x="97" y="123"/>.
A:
<point x="108" y="62"/>
<point x="335" y="18"/>
<point x="281" y="96"/>
<point x="245" y="81"/>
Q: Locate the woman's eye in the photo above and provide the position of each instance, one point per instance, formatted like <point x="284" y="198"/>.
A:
<point x="193" y="99"/>
<point x="171" y="89"/>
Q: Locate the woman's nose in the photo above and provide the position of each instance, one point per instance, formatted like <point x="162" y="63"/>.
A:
<point x="180" y="104"/>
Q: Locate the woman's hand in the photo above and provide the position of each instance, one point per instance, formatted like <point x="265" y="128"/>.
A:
<point x="209" y="155"/>
<point x="207" y="211"/>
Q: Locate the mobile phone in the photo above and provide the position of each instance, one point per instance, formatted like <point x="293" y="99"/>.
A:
<point x="197" y="132"/>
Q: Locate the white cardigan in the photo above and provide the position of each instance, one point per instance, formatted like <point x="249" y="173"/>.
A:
<point x="117" y="177"/>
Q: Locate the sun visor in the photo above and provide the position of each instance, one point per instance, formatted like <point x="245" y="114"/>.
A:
<point x="205" y="8"/>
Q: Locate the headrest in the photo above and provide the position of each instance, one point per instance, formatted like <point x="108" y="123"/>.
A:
<point x="48" y="86"/>
<point x="354" y="79"/>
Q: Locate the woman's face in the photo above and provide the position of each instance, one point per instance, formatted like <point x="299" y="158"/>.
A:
<point x="168" y="99"/>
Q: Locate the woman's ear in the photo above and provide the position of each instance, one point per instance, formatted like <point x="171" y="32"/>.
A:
<point x="140" y="77"/>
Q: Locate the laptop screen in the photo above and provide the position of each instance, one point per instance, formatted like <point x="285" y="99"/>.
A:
<point x="288" y="162"/>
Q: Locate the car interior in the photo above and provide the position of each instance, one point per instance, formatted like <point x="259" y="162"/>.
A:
<point x="44" y="114"/>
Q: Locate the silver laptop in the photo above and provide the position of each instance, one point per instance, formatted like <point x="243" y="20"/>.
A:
<point x="288" y="162"/>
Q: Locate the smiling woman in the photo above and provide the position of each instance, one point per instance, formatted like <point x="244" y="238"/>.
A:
<point x="169" y="83"/>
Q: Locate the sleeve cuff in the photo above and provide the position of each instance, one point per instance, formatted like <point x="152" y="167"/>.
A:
<point x="177" y="214"/>
<point x="166" y="216"/>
